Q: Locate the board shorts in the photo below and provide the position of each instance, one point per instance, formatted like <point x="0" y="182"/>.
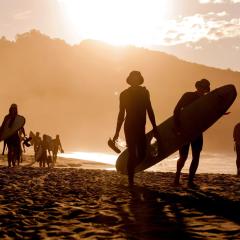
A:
<point x="196" y="146"/>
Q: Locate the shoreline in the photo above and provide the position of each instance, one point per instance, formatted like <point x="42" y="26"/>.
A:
<point x="28" y="161"/>
<point x="212" y="163"/>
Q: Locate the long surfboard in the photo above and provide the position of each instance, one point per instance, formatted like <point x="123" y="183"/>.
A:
<point x="195" y="119"/>
<point x="7" y="131"/>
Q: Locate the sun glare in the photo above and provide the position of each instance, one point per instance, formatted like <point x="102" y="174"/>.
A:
<point x="92" y="156"/>
<point x="117" y="22"/>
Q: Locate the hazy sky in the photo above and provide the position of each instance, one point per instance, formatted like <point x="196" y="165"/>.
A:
<point x="203" y="31"/>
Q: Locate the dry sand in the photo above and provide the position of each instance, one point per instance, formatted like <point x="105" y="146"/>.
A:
<point x="76" y="203"/>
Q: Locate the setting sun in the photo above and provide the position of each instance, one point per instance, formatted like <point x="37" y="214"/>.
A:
<point x="117" y="22"/>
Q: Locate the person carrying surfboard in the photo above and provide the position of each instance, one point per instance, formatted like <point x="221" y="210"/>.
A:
<point x="45" y="154"/>
<point x="202" y="87"/>
<point x="13" y="142"/>
<point x="135" y="104"/>
<point x="36" y="143"/>
<point x="56" y="147"/>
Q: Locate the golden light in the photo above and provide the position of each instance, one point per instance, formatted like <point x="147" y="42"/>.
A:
<point x="115" y="21"/>
<point x="91" y="156"/>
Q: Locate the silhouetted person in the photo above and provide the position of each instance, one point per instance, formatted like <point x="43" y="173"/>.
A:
<point x="44" y="158"/>
<point x="13" y="142"/>
<point x="135" y="103"/>
<point x="56" y="146"/>
<point x="22" y="149"/>
<point x="203" y="87"/>
<point x="36" y="143"/>
<point x="236" y="137"/>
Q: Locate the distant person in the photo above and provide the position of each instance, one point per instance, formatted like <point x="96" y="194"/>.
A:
<point x="202" y="87"/>
<point x="236" y="138"/>
<point x="135" y="103"/>
<point x="13" y="142"/>
<point x="22" y="137"/>
<point x="36" y="143"/>
<point x="45" y="156"/>
<point x="56" y="147"/>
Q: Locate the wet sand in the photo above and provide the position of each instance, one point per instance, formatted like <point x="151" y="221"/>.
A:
<point x="76" y="203"/>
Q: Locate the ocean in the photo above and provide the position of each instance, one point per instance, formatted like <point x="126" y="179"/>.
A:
<point x="223" y="163"/>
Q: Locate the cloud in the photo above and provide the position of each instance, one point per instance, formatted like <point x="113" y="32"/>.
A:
<point x="218" y="1"/>
<point x="221" y="14"/>
<point x="211" y="1"/>
<point x="211" y="26"/>
<point x="22" y="15"/>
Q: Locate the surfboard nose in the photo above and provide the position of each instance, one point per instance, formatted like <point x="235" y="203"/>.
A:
<point x="230" y="93"/>
<point x="227" y="94"/>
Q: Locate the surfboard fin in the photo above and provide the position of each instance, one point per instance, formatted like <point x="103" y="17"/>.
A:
<point x="113" y="146"/>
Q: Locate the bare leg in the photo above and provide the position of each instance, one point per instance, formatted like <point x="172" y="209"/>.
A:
<point x="180" y="164"/>
<point x="238" y="167"/>
<point x="54" y="159"/>
<point x="238" y="164"/>
<point x="238" y="159"/>
<point x="9" y="159"/>
<point x="131" y="164"/>
<point x="13" y="160"/>
<point x="183" y="154"/>
<point x="193" y="166"/>
<point x="10" y="156"/>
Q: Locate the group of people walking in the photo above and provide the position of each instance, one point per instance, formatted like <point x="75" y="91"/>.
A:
<point x="45" y="149"/>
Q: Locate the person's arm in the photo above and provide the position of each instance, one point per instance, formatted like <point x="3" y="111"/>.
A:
<point x="120" y="119"/>
<point x="23" y="147"/>
<point x="177" y="111"/>
<point x="22" y="131"/>
<point x="235" y="133"/>
<point x="150" y="112"/>
<point x="60" y="145"/>
<point x="152" y="119"/>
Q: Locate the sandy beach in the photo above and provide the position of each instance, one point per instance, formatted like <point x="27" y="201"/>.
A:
<point x="77" y="203"/>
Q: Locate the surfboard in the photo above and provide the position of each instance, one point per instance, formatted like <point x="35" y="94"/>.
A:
<point x="195" y="119"/>
<point x="7" y="131"/>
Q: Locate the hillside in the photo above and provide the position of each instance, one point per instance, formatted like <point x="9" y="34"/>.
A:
<point x="73" y="90"/>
